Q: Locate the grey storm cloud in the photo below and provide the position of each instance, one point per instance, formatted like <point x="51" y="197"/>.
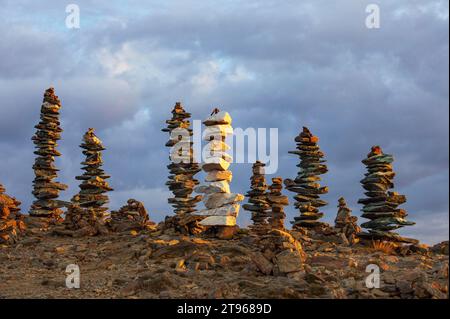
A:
<point x="269" y="63"/>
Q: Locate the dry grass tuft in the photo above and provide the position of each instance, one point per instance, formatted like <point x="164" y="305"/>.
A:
<point x="386" y="247"/>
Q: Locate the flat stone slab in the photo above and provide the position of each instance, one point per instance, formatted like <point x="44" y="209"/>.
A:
<point x="219" y="118"/>
<point x="219" y="221"/>
<point x="217" y="132"/>
<point x="221" y="199"/>
<point x="213" y="187"/>
<point x="215" y="164"/>
<point x="214" y="176"/>
<point x="227" y="210"/>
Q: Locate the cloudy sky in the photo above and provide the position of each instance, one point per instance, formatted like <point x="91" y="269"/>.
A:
<point x="271" y="64"/>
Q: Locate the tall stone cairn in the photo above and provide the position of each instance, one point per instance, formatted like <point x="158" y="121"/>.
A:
<point x="11" y="221"/>
<point x="46" y="190"/>
<point x="306" y="183"/>
<point x="222" y="206"/>
<point x="257" y="197"/>
<point x="182" y="170"/>
<point x="93" y="187"/>
<point x="381" y="205"/>
<point x="277" y="202"/>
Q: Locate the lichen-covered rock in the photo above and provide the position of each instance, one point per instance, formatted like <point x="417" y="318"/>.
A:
<point x="81" y="222"/>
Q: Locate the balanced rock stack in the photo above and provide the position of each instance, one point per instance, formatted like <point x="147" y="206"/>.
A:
<point x="277" y="202"/>
<point x="222" y="205"/>
<point x="306" y="184"/>
<point x="345" y="223"/>
<point x="46" y="190"/>
<point x="11" y="223"/>
<point x="284" y="252"/>
<point x="258" y="204"/>
<point x="182" y="170"/>
<point x="93" y="186"/>
<point x="380" y="206"/>
<point x="132" y="216"/>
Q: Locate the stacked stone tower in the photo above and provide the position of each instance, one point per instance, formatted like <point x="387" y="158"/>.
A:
<point x="46" y="190"/>
<point x="258" y="203"/>
<point x="381" y="205"/>
<point x="222" y="205"/>
<point x="93" y="187"/>
<point x="277" y="202"/>
<point x="182" y="170"/>
<point x="306" y="185"/>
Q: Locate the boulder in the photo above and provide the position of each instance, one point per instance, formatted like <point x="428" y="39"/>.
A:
<point x="289" y="261"/>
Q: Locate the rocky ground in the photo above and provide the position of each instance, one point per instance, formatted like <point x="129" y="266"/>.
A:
<point x="156" y="265"/>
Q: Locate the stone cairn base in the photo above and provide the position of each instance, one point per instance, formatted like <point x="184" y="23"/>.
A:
<point x="82" y="222"/>
<point x="132" y="216"/>
<point x="11" y="221"/>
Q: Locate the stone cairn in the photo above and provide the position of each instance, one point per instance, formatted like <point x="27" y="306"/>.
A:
<point x="132" y="216"/>
<point x="81" y="222"/>
<point x="278" y="246"/>
<point x="258" y="203"/>
<point x="306" y="184"/>
<point x="380" y="206"/>
<point x="93" y="186"/>
<point x="11" y="221"/>
<point x="222" y="206"/>
<point x="182" y="170"/>
<point x="45" y="189"/>
<point x="345" y="223"/>
<point x="277" y="202"/>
